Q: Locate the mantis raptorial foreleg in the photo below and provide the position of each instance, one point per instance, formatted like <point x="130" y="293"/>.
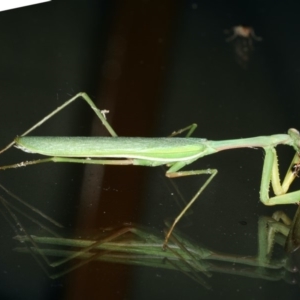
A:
<point x="270" y="174"/>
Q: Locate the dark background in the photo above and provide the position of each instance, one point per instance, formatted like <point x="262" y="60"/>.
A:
<point x="157" y="66"/>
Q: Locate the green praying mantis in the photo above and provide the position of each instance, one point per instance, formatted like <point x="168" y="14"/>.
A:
<point x="172" y="151"/>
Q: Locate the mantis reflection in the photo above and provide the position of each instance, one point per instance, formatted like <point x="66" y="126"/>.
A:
<point x="137" y="245"/>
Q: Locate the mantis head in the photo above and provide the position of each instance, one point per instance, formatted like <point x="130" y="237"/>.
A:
<point x="295" y="136"/>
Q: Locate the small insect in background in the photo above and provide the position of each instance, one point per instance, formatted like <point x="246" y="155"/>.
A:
<point x="242" y="38"/>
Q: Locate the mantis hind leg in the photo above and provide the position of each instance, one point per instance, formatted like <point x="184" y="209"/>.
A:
<point x="84" y="96"/>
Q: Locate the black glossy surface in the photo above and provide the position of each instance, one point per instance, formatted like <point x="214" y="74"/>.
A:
<point x="157" y="67"/>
